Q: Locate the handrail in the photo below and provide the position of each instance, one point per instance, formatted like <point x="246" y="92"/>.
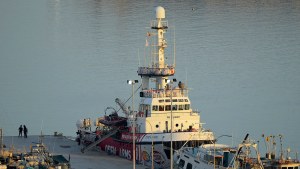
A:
<point x="98" y="141"/>
<point x="177" y="92"/>
<point x="166" y="71"/>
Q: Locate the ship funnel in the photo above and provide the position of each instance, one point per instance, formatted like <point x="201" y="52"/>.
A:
<point x="160" y="12"/>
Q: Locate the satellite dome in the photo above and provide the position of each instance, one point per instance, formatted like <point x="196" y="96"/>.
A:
<point x="160" y="12"/>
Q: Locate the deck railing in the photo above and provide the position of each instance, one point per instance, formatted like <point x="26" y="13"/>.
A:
<point x="147" y="71"/>
<point x="177" y="92"/>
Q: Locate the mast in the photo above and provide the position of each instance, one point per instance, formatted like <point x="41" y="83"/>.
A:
<point x="158" y="69"/>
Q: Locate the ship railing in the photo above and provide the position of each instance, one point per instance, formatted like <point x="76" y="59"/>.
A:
<point x="195" y="112"/>
<point x="177" y="92"/>
<point x="112" y="132"/>
<point x="155" y="24"/>
<point x="146" y="71"/>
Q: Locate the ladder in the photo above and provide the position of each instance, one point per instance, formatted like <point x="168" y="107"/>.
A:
<point x="99" y="141"/>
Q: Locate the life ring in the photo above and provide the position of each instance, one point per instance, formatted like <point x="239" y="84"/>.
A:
<point x="172" y="71"/>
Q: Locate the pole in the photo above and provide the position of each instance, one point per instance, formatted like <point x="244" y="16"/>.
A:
<point x="152" y="148"/>
<point x="133" y="138"/>
<point x="171" y="155"/>
<point x="1" y="142"/>
<point x="215" y="154"/>
<point x="132" y="82"/>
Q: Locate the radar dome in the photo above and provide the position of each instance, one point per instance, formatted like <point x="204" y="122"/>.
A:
<point x="160" y="12"/>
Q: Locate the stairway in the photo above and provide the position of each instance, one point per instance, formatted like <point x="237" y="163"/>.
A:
<point x="99" y="141"/>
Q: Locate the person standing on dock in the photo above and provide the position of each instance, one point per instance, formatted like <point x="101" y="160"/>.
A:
<point x="20" y="130"/>
<point x="25" y="131"/>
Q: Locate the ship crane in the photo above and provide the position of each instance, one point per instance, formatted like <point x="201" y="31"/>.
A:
<point x="122" y="106"/>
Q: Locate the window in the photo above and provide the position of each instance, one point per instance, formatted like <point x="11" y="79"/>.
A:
<point x="160" y="101"/>
<point x="180" y="100"/>
<point x="155" y="108"/>
<point x="161" y="108"/>
<point x="186" y="100"/>
<point x="174" y="100"/>
<point x="157" y="126"/>
<point x="167" y="100"/>
<point x="189" y="166"/>
<point x="180" y="107"/>
<point x="168" y="107"/>
<point x="181" y="163"/>
<point x="176" y="125"/>
<point x="174" y="107"/>
<point x="187" y="107"/>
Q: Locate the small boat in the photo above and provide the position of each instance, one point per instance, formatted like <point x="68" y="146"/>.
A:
<point x="270" y="161"/>
<point x="113" y="119"/>
<point x="212" y="156"/>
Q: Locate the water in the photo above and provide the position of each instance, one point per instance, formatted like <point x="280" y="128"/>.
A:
<point x="61" y="61"/>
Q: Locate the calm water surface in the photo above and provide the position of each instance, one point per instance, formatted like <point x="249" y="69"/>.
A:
<point x="61" y="61"/>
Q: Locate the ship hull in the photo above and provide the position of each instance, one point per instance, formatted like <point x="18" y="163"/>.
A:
<point x="143" y="152"/>
<point x="121" y="145"/>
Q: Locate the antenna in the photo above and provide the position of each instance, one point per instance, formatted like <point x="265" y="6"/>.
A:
<point x="139" y="56"/>
<point x="174" y="49"/>
<point x="1" y="142"/>
<point x="281" y="151"/>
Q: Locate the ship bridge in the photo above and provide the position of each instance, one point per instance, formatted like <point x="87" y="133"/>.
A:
<point x="154" y="113"/>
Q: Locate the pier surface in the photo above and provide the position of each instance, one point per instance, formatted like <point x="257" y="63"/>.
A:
<point x="66" y="146"/>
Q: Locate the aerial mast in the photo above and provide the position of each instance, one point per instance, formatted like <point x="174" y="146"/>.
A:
<point x="158" y="69"/>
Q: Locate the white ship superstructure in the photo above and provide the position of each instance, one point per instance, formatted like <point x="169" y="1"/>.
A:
<point x="165" y="107"/>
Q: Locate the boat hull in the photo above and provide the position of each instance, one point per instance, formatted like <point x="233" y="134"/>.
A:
<point x="121" y="145"/>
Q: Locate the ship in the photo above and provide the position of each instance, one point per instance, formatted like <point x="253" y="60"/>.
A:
<point x="245" y="156"/>
<point x="221" y="156"/>
<point x="164" y="120"/>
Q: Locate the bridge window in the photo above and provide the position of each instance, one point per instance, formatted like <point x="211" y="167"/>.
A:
<point x="167" y="107"/>
<point x="180" y="100"/>
<point x="186" y="100"/>
<point x="155" y="108"/>
<point x="187" y="107"/>
<point x="161" y="108"/>
<point x="180" y="107"/>
<point x="167" y="100"/>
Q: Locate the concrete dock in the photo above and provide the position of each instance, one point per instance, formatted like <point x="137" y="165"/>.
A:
<point x="66" y="146"/>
